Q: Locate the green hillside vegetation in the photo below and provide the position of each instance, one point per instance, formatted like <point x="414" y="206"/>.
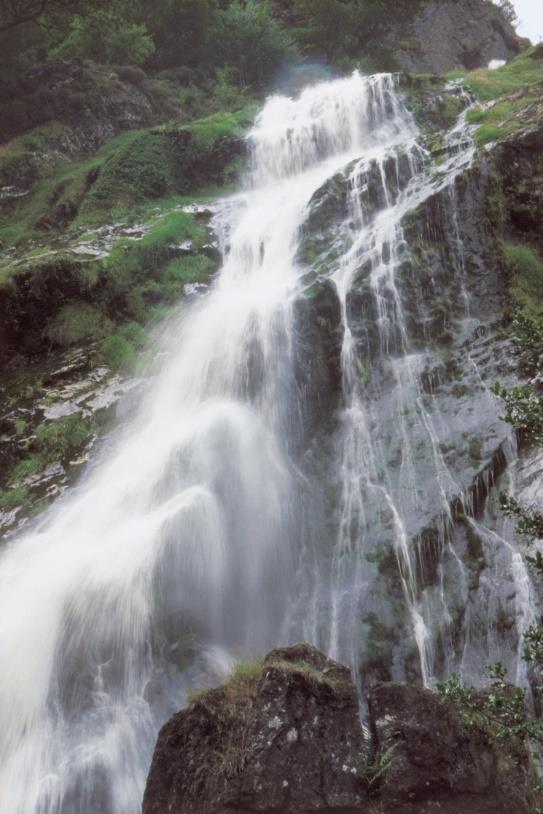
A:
<point x="123" y="177"/>
<point x="506" y="95"/>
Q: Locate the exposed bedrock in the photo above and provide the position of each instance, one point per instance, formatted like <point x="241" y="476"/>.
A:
<point x="453" y="291"/>
<point x="451" y="34"/>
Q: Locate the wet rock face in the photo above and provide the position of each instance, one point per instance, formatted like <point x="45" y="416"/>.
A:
<point x="520" y="164"/>
<point x="450" y="34"/>
<point x="292" y="742"/>
<point x="298" y="746"/>
<point x="437" y="765"/>
<point x="453" y="289"/>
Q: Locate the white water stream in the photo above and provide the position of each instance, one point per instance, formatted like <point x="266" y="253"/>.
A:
<point x="192" y="524"/>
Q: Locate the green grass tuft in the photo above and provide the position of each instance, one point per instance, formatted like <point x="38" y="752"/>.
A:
<point x="526" y="268"/>
<point x="55" y="439"/>
<point x="513" y="88"/>
<point x="26" y="468"/>
<point x="118" y="353"/>
<point x="13" y="498"/>
<point x="522" y="73"/>
<point x="497" y="122"/>
<point x="77" y="322"/>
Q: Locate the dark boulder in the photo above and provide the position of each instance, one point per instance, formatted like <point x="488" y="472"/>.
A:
<point x="286" y="739"/>
<point x="284" y="735"/>
<point x="437" y="765"/>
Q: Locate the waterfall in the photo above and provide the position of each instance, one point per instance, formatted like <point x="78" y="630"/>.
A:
<point x="188" y="545"/>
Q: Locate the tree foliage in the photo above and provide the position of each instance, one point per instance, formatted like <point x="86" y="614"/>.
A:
<point x="248" y="38"/>
<point x="106" y="37"/>
<point x="508" y="10"/>
<point x="501" y="710"/>
<point x="180" y="30"/>
<point x="524" y="403"/>
<point x="14" y="13"/>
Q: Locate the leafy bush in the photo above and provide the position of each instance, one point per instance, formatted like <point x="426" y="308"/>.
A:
<point x="523" y="410"/>
<point x="76" y="322"/>
<point x="118" y="353"/>
<point x="106" y="37"/>
<point x="248" y="39"/>
<point x="26" y="468"/>
<point x="526" y="268"/>
<point x="530" y="521"/>
<point x="500" y="711"/>
<point x="180" y="30"/>
<point x="56" y="438"/>
<point x="12" y="498"/>
<point x="135" y="334"/>
<point x="528" y="335"/>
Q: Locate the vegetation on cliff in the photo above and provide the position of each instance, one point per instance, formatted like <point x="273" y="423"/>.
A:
<point x="510" y="96"/>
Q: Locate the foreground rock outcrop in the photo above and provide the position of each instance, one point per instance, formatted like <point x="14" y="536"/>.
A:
<point x="284" y="736"/>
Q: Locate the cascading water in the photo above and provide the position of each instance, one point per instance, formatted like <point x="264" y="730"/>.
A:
<point x="189" y="543"/>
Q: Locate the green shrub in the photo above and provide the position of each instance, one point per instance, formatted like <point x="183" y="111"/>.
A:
<point x="118" y="353"/>
<point x="249" y="39"/>
<point x="76" y="322"/>
<point x="135" y="335"/>
<point x="501" y="712"/>
<point x="526" y="268"/>
<point x="20" y="425"/>
<point x="495" y="123"/>
<point x="12" y="498"/>
<point x="26" y="468"/>
<point x="452" y="107"/>
<point x="523" y="410"/>
<point x="105" y="37"/>
<point x="56" y="438"/>
<point x="475" y="451"/>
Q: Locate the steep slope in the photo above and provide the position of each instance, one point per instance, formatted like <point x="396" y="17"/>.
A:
<point x="412" y="318"/>
<point x="319" y="451"/>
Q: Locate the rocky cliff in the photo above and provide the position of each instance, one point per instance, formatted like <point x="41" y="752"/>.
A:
<point x="447" y="35"/>
<point x="458" y="245"/>
<point x="284" y="735"/>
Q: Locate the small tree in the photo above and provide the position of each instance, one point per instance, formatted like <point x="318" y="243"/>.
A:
<point x="248" y="38"/>
<point x="508" y="10"/>
<point x="105" y="36"/>
<point x="14" y="13"/>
